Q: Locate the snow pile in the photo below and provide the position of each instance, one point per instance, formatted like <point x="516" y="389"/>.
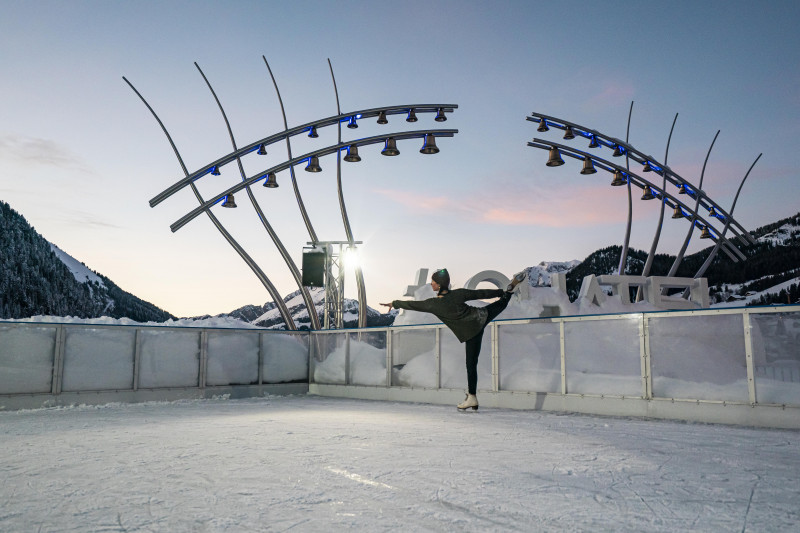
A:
<point x="210" y="322"/>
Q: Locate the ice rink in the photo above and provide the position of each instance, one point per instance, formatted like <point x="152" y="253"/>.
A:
<point x="308" y="463"/>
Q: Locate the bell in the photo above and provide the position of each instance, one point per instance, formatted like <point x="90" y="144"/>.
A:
<point x="682" y="188"/>
<point x="617" y="151"/>
<point x="262" y="150"/>
<point x="594" y="143"/>
<point x="272" y="181"/>
<point x="555" y="158"/>
<point x="215" y="171"/>
<point x="440" y="117"/>
<point x="352" y="154"/>
<point x="568" y="134"/>
<point x="352" y="124"/>
<point x="391" y="147"/>
<point x="678" y="212"/>
<point x="313" y="164"/>
<point x="705" y="234"/>
<point x="588" y="166"/>
<point x="648" y="194"/>
<point x="712" y="212"/>
<point x="382" y="118"/>
<point x="619" y="179"/>
<point x="647" y="167"/>
<point x="412" y="115"/>
<point x="312" y="132"/>
<point x="542" y="126"/>
<point x="429" y="146"/>
<point x="229" y="201"/>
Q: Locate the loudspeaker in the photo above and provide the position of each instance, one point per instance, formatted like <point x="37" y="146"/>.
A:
<point x="313" y="269"/>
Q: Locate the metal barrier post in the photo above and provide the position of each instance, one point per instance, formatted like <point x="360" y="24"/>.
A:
<point x="388" y="357"/>
<point x="495" y="358"/>
<point x="437" y="350"/>
<point x="201" y="380"/>
<point x="748" y="351"/>
<point x="137" y="358"/>
<point x="347" y="359"/>
<point x="563" y="357"/>
<point x="58" y="361"/>
<point x="644" y="350"/>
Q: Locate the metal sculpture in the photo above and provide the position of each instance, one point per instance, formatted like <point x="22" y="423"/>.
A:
<point x="623" y="176"/>
<point x="269" y="176"/>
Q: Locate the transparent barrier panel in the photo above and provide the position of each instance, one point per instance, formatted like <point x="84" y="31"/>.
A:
<point x="698" y="357"/>
<point x="98" y="359"/>
<point x="328" y="358"/>
<point x="604" y="357"/>
<point x="776" y="357"/>
<point x="413" y="358"/>
<point x="530" y="357"/>
<point x="284" y="357"/>
<point x="26" y="359"/>
<point x="368" y="358"/>
<point x="169" y="358"/>
<point x="232" y="358"/>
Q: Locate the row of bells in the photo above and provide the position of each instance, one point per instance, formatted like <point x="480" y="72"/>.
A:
<point x="389" y="149"/>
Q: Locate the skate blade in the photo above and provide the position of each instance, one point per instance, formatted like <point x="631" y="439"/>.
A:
<point x="464" y="409"/>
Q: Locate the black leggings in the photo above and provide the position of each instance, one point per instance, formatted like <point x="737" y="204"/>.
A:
<point x="473" y="345"/>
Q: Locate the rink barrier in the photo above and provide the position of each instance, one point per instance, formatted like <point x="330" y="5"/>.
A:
<point x="53" y="364"/>
<point x="758" y="346"/>
<point x="49" y="364"/>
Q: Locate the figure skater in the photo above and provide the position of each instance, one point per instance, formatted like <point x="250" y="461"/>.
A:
<point x="465" y="321"/>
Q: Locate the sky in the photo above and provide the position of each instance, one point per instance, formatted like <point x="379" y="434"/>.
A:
<point x="82" y="156"/>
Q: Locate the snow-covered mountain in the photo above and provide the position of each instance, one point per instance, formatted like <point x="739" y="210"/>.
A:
<point x="38" y="278"/>
<point x="539" y="275"/>
<point x="268" y="316"/>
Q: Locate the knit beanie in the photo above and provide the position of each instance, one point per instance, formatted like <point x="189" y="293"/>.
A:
<point x="442" y="278"/>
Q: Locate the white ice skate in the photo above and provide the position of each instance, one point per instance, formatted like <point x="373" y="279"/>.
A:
<point x="518" y="278"/>
<point x="470" y="401"/>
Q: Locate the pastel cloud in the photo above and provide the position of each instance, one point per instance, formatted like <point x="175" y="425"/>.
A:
<point x="570" y="206"/>
<point x="32" y="150"/>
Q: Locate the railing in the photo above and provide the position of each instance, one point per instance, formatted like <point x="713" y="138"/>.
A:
<point x="714" y="358"/>
<point x="649" y="364"/>
<point x="56" y="362"/>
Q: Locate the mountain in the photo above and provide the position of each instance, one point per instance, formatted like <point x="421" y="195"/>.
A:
<point x="268" y="316"/>
<point x="38" y="278"/>
<point x="770" y="274"/>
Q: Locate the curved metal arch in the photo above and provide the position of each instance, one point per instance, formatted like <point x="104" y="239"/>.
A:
<point x="636" y="180"/>
<point x="287" y="317"/>
<point x="641" y="158"/>
<point x="312" y="315"/>
<point x="649" y="262"/>
<point x="710" y="258"/>
<point x="362" y="291"/>
<point x="306" y="220"/>
<point x="318" y="153"/>
<point x="266" y="141"/>
<point x="682" y="251"/>
<point x="623" y="256"/>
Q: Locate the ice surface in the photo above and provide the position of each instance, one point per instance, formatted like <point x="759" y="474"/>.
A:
<point x="320" y="464"/>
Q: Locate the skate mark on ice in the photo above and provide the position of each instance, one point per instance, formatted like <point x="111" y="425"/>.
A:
<point x="358" y="478"/>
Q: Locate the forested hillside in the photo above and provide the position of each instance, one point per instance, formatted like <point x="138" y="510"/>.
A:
<point x="34" y="281"/>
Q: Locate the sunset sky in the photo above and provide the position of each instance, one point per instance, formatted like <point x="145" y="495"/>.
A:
<point x="81" y="155"/>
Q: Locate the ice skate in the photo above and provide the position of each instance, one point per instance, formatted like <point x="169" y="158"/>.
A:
<point x="470" y="401"/>
<point x="518" y="278"/>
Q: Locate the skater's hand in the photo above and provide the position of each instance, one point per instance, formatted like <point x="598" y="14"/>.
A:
<point x="389" y="305"/>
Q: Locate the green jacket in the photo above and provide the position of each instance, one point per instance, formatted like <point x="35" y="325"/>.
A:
<point x="464" y="320"/>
